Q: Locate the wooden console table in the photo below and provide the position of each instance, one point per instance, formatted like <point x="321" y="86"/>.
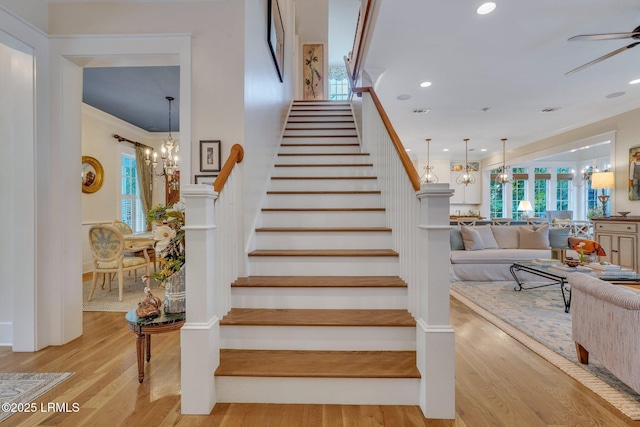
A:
<point x="144" y="328"/>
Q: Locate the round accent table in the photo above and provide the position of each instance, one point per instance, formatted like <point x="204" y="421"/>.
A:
<point x="144" y="328"/>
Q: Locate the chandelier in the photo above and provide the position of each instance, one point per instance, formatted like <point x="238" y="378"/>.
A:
<point x="428" y="177"/>
<point x="168" y="155"/>
<point x="466" y="178"/>
<point x="503" y="177"/>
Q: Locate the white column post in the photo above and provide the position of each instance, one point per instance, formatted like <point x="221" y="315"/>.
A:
<point x="435" y="338"/>
<point x="200" y="335"/>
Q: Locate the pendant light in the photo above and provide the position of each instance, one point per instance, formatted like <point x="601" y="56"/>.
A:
<point x="466" y="178"/>
<point x="503" y="177"/>
<point x="429" y="177"/>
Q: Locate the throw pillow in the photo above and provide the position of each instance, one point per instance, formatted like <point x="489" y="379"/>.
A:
<point x="506" y="236"/>
<point x="455" y="240"/>
<point x="561" y="223"/>
<point x="534" y="239"/>
<point x="558" y="238"/>
<point x="488" y="241"/>
<point x="472" y="239"/>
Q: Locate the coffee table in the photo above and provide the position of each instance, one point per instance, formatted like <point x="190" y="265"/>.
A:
<point x="559" y="277"/>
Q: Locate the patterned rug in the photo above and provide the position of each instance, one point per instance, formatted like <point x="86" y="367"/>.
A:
<point x="537" y="319"/>
<point x="17" y="389"/>
<point x="105" y="300"/>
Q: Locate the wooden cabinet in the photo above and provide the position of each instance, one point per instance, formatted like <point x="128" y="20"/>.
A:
<point x="619" y="239"/>
<point x="466" y="194"/>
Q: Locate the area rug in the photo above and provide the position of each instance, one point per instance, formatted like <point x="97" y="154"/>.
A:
<point x="105" y="300"/>
<point x="536" y="318"/>
<point x="18" y="389"/>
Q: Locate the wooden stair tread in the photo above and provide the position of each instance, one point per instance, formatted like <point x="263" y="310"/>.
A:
<point x="322" y="154"/>
<point x="318" y="364"/>
<point x="326" y="252"/>
<point x="322" y="177"/>
<point x="314" y="165"/>
<point x="327" y="192"/>
<point x="321" y="282"/>
<point x="323" y="209"/>
<point x="324" y="229"/>
<point x="317" y="317"/>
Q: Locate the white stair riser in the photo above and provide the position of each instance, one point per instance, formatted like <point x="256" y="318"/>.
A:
<point x="323" y="184"/>
<point x="329" y="338"/>
<point x="321" y="125"/>
<point x="324" y="219"/>
<point x="320" y="106"/>
<point x="323" y="113"/>
<point x="323" y="159"/>
<point x="338" y="391"/>
<point x="353" y="200"/>
<point x="323" y="266"/>
<point x="319" y="298"/>
<point x="294" y="118"/>
<point x="323" y="171"/>
<point x="330" y="133"/>
<point x="326" y="148"/>
<point x="323" y="240"/>
<point x="323" y="140"/>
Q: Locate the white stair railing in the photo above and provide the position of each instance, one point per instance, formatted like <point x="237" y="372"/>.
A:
<point x="213" y="240"/>
<point x="419" y="218"/>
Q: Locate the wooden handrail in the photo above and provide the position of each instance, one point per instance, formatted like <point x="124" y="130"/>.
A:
<point x="235" y="156"/>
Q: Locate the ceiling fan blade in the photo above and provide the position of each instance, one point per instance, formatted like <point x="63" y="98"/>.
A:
<point x="602" y="58"/>
<point x="606" y="36"/>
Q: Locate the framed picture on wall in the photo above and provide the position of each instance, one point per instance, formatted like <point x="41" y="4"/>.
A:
<point x="205" y="179"/>
<point x="210" y="156"/>
<point x="634" y="173"/>
<point x="275" y="35"/>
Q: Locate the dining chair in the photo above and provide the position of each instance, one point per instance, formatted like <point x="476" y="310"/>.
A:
<point x="125" y="229"/>
<point x="108" y="247"/>
<point x="581" y="228"/>
<point x="471" y="221"/>
<point x="537" y="221"/>
<point x="501" y="221"/>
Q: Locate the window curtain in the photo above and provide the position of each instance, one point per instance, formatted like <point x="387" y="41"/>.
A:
<point x="144" y="178"/>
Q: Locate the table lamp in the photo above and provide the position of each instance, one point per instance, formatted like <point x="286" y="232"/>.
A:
<point x="525" y="206"/>
<point x="602" y="181"/>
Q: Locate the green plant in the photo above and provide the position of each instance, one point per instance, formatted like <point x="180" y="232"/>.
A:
<point x="157" y="213"/>
<point x="595" y="212"/>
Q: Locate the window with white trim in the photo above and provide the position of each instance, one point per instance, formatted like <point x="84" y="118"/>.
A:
<point x="131" y="210"/>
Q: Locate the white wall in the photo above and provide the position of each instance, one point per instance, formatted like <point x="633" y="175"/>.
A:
<point x="313" y="25"/>
<point x="98" y="129"/>
<point x="32" y="11"/>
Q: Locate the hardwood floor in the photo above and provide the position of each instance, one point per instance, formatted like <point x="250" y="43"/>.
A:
<point x="498" y="383"/>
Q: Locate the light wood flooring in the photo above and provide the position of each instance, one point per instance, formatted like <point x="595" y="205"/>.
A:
<point x="498" y="383"/>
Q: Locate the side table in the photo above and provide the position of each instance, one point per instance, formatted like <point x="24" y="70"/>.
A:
<point x="144" y="328"/>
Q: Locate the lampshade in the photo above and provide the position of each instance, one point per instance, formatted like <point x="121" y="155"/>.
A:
<point x="602" y="180"/>
<point x="525" y="205"/>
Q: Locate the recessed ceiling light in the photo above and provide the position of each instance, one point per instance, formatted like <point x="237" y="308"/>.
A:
<point x="407" y="149"/>
<point x="484" y="149"/>
<point x="486" y="8"/>
<point x="445" y="149"/>
<point x="425" y="84"/>
<point x="634" y="82"/>
<point x="403" y="97"/>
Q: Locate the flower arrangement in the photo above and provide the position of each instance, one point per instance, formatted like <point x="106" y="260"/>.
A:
<point x="581" y="254"/>
<point x="169" y="242"/>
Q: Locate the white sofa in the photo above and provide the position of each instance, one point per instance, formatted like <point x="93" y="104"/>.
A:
<point x="490" y="259"/>
<point x="604" y="318"/>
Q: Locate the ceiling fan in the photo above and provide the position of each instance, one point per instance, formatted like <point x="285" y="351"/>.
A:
<point x="635" y="34"/>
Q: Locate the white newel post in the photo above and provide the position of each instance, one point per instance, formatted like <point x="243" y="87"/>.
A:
<point x="200" y="335"/>
<point x="435" y="338"/>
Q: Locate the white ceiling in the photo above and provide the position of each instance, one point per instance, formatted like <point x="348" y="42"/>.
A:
<point x="511" y="62"/>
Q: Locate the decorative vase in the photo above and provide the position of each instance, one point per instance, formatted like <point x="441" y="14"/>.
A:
<point x="175" y="293"/>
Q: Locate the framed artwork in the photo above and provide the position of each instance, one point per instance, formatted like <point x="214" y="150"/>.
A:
<point x="92" y="174"/>
<point x="457" y="166"/>
<point x="275" y="35"/>
<point x="205" y="179"/>
<point x="210" y="156"/>
<point x="634" y="173"/>
<point x="312" y="69"/>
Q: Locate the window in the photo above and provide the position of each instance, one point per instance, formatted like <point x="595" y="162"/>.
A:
<point x="540" y="187"/>
<point x="131" y="210"/>
<point x="518" y="191"/>
<point x="496" y="197"/>
<point x="592" y="199"/>
<point x="563" y="188"/>
<point x="338" y="84"/>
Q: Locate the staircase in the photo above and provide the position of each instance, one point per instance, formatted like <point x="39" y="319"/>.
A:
<point x="322" y="318"/>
